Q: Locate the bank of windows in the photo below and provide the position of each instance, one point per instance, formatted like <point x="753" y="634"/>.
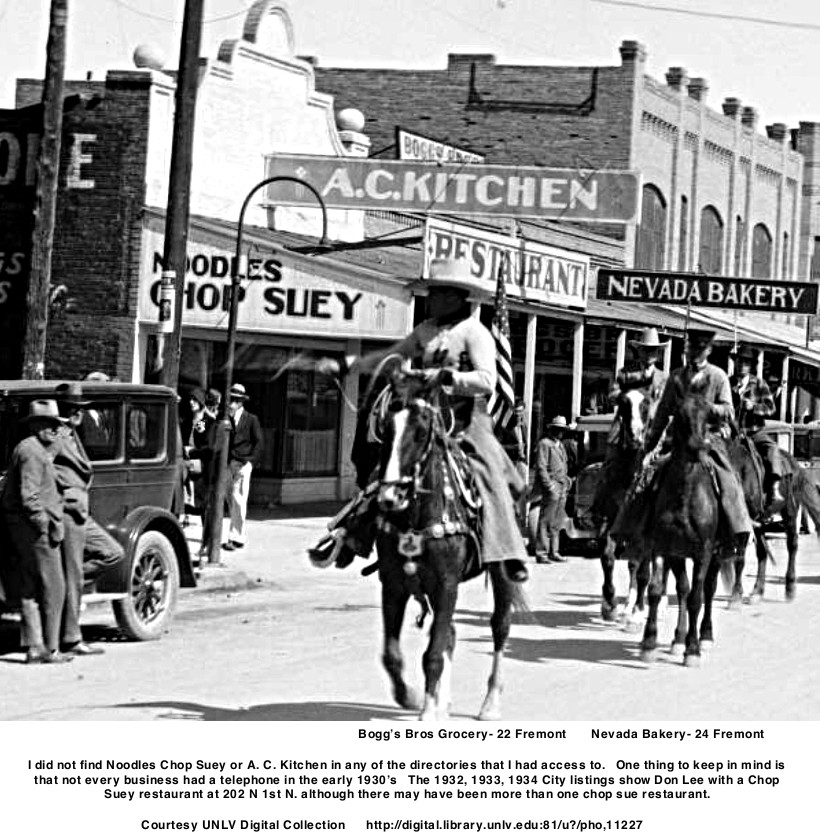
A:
<point x="649" y="246"/>
<point x="710" y="254"/>
<point x="299" y="410"/>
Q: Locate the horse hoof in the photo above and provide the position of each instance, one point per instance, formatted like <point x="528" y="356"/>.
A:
<point x="734" y="604"/>
<point x="648" y="656"/>
<point x="428" y="715"/>
<point x="753" y="599"/>
<point x="706" y="644"/>
<point x="676" y="649"/>
<point x="790" y="593"/>
<point x="410" y="701"/>
<point x="633" y="624"/>
<point x="691" y="660"/>
<point x="489" y="715"/>
<point x="610" y="612"/>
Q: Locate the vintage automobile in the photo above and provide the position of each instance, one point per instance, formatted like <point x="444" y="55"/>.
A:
<point x="131" y="434"/>
<point x="582" y="532"/>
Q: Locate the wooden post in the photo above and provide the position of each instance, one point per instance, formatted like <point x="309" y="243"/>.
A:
<point x="529" y="379"/>
<point x="48" y="170"/>
<point x="179" y="183"/>
<point x="577" y="369"/>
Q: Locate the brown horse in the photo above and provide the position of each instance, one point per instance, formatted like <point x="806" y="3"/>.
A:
<point x="683" y="512"/>
<point x="620" y="470"/>
<point x="797" y="491"/>
<point x="427" y="546"/>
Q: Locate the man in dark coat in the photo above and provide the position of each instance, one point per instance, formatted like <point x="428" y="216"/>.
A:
<point x="87" y="549"/>
<point x="754" y="403"/>
<point x="33" y="511"/>
<point x="245" y="452"/>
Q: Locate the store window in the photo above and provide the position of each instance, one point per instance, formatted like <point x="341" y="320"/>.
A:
<point x="761" y="251"/>
<point x="683" y="233"/>
<point x="649" y="246"/>
<point x="710" y="254"/>
<point x="299" y="410"/>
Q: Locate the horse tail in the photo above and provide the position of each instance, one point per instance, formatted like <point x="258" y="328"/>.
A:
<point x="808" y="497"/>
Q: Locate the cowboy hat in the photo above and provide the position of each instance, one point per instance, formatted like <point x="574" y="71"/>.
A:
<point x="237" y="391"/>
<point x="453" y="274"/>
<point x="558" y="423"/>
<point x="70" y="395"/>
<point x="44" y="410"/>
<point x="97" y="375"/>
<point x="700" y="336"/>
<point x="649" y="340"/>
<point x="745" y="352"/>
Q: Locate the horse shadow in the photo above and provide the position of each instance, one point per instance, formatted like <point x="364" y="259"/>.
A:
<point x="323" y="711"/>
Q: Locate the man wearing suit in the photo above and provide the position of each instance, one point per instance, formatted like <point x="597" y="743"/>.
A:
<point x="553" y="478"/>
<point x="33" y="511"/>
<point x="245" y="451"/>
<point x="87" y="549"/>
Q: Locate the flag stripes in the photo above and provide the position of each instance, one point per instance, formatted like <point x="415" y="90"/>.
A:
<point x="502" y="403"/>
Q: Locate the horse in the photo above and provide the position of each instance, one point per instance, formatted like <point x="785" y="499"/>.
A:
<point x="427" y="545"/>
<point x="621" y="468"/>
<point x="797" y="491"/>
<point x="685" y="513"/>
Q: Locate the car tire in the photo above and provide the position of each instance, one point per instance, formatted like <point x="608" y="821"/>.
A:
<point x="152" y="590"/>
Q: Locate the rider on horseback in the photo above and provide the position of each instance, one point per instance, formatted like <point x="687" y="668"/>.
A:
<point x="753" y="402"/>
<point x="699" y="377"/>
<point x="642" y="373"/>
<point x="455" y="348"/>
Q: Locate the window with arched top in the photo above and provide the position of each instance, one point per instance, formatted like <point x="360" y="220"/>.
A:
<point x="683" y="233"/>
<point x="740" y="241"/>
<point x="649" y="244"/>
<point x="761" y="251"/>
<point x="710" y="253"/>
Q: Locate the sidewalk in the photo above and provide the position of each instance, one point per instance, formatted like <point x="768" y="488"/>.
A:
<point x="278" y="539"/>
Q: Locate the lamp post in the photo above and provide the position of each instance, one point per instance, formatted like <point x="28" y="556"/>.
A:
<point x="224" y="426"/>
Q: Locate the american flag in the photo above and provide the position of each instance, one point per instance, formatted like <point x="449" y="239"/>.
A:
<point x="502" y="404"/>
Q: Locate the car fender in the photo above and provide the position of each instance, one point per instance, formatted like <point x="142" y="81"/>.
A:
<point x="128" y="532"/>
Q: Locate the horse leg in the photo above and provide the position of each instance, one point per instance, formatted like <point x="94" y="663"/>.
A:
<point x="433" y="661"/>
<point x="682" y="590"/>
<point x="500" y="623"/>
<point x="394" y="603"/>
<point x="700" y="565"/>
<point x="763" y="554"/>
<point x="789" y="516"/>
<point x="635" y="612"/>
<point x="445" y="690"/>
<point x="609" y="605"/>
<point x="656" y="588"/>
<point x="707" y="638"/>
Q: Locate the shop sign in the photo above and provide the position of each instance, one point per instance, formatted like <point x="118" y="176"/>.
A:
<point x="532" y="271"/>
<point x="500" y="190"/>
<point x="421" y="149"/>
<point x="684" y="288"/>
<point x="283" y="294"/>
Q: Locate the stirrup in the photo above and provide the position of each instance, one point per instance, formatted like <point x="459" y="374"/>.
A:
<point x="325" y="552"/>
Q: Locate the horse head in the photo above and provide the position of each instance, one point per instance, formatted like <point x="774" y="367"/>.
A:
<point x="690" y="431"/>
<point x="634" y="417"/>
<point x="411" y="425"/>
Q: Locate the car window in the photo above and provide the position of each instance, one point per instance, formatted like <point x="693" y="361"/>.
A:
<point x="146" y="430"/>
<point x="100" y="431"/>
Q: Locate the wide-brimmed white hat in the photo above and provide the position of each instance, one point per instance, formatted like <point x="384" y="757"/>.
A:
<point x="559" y="422"/>
<point x="237" y="391"/>
<point x="45" y="410"/>
<point x="456" y="274"/>
<point x="649" y="340"/>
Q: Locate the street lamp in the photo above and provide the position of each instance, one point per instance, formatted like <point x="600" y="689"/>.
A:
<point x="224" y="426"/>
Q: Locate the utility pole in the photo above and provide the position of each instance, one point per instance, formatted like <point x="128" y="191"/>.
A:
<point x="48" y="170"/>
<point x="179" y="190"/>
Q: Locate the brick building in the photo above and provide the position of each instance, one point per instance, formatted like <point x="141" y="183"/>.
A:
<point x="717" y="196"/>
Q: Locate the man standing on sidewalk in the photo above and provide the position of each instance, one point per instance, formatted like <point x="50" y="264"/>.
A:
<point x="551" y="470"/>
<point x="245" y="452"/>
<point x="87" y="549"/>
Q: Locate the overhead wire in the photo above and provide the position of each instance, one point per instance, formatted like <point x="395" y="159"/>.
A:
<point x="205" y="22"/>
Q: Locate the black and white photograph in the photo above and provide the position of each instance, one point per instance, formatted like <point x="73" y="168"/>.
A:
<point x="410" y="361"/>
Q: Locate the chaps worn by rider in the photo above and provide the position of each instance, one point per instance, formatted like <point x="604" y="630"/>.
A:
<point x="699" y="377"/>
<point x="456" y="348"/>
<point x="753" y="403"/>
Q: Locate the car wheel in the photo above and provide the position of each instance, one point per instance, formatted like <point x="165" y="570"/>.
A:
<point x="152" y="591"/>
